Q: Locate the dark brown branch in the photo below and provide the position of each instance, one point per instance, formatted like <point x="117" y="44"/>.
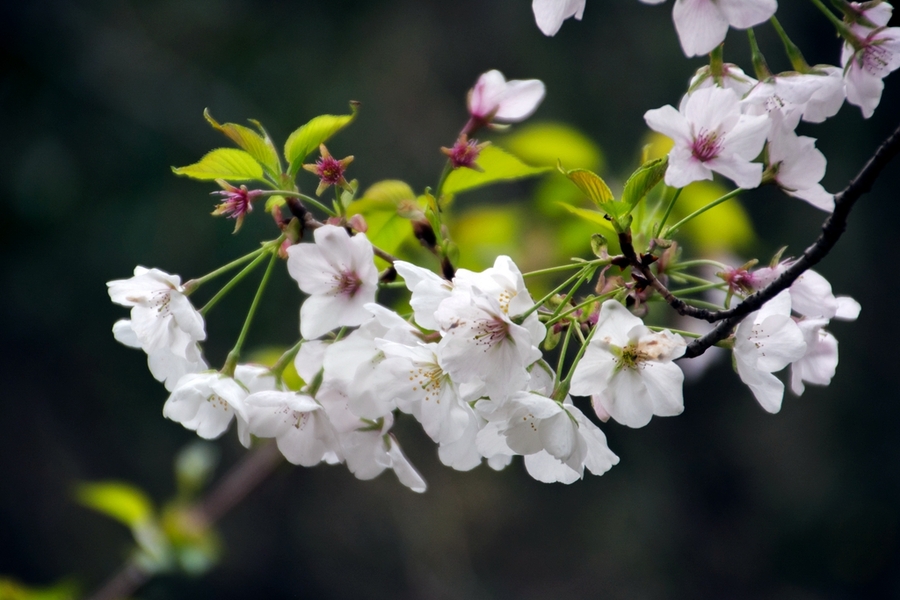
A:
<point x="244" y="477"/>
<point x="832" y="229"/>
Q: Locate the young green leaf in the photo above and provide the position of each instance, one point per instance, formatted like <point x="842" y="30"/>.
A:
<point x="643" y="180"/>
<point x="257" y="145"/>
<point x="317" y="131"/>
<point x="590" y="215"/>
<point x="497" y="165"/>
<point x="230" y="164"/>
<point x="591" y="184"/>
<point x="121" y="501"/>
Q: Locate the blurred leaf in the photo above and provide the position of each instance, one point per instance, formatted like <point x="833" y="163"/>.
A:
<point x="593" y="216"/>
<point x="120" y="501"/>
<point x="317" y="131"/>
<point x="545" y="144"/>
<point x="657" y="146"/>
<point x="498" y="165"/>
<point x="723" y="228"/>
<point x="259" y="147"/>
<point x="268" y="357"/>
<point x="387" y="229"/>
<point x="389" y="190"/>
<point x="273" y="202"/>
<point x="223" y="163"/>
<point x="643" y="180"/>
<point x="194" y="466"/>
<point x="11" y="589"/>
<point x="484" y="232"/>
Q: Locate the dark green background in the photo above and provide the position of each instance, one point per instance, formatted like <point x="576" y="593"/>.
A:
<point x="98" y="99"/>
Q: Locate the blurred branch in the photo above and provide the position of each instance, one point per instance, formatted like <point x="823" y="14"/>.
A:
<point x="244" y="477"/>
<point x="832" y="229"/>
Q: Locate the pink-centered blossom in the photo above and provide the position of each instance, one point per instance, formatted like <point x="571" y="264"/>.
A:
<point x="711" y="134"/>
<point x="875" y="54"/>
<point x="338" y="272"/>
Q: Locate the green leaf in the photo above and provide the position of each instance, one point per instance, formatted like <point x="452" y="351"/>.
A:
<point x="307" y="138"/>
<point x="389" y="190"/>
<point x="258" y="146"/>
<point x="643" y="180"/>
<point x="546" y="144"/>
<point x="10" y="589"/>
<point x="498" y="165"/>
<point x="591" y="185"/>
<point x="387" y="229"/>
<point x="590" y="215"/>
<point x="223" y="163"/>
<point x="120" y="501"/>
<point x="194" y="466"/>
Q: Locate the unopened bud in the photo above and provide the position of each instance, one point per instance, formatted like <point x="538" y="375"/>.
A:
<point x="424" y="233"/>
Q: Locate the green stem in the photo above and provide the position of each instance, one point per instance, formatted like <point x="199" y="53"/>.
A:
<point x="696" y="263"/>
<point x="278" y="368"/>
<point x="717" y="63"/>
<point x="699" y="288"/>
<point x="667" y="213"/>
<point x="841" y="27"/>
<point x="565" y="301"/>
<point x="557" y="290"/>
<point x="448" y="168"/>
<point x="574" y="265"/>
<point x="700" y="211"/>
<point x="680" y="332"/>
<point x="793" y="52"/>
<point x="565" y="347"/>
<point x="195" y="283"/>
<point x="565" y="383"/>
<point x="234" y="281"/>
<point x="235" y="354"/>
<point x="756" y="56"/>
<point x="303" y="197"/>
<point x="695" y="279"/>
<point x="578" y="307"/>
<point x="702" y="304"/>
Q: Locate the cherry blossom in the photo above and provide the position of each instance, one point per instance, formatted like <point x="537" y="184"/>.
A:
<point x="550" y="14"/>
<point x="482" y="343"/>
<point x="163" y="323"/>
<point x="703" y="24"/>
<point x="819" y="362"/>
<point x="732" y="78"/>
<point x="338" y="272"/>
<point x="767" y="341"/>
<point x="628" y="369"/>
<point x="495" y="99"/>
<point x="798" y="166"/>
<point x="869" y="58"/>
<point x="206" y="402"/>
<point x="297" y="422"/>
<point x="711" y="134"/>
<point x="557" y="440"/>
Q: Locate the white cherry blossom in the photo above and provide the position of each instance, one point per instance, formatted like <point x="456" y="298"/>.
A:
<point x="819" y="362"/>
<point x="798" y="166"/>
<point x="425" y="391"/>
<point x="555" y="438"/>
<point x="550" y="14"/>
<point x="495" y="99"/>
<point x="874" y="54"/>
<point x="733" y="78"/>
<point x="163" y="323"/>
<point x="481" y="343"/>
<point x="297" y="422"/>
<point x="627" y="369"/>
<point x="338" y="272"/>
<point x="711" y="134"/>
<point x="703" y="24"/>
<point x="767" y="341"/>
<point x="206" y="402"/>
<point x="428" y="291"/>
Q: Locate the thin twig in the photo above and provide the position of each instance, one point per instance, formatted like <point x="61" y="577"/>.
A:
<point x="832" y="229"/>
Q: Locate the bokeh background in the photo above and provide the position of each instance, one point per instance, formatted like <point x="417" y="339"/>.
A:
<point x="99" y="99"/>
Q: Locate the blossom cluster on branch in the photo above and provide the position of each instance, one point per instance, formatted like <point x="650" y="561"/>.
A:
<point x="486" y="368"/>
